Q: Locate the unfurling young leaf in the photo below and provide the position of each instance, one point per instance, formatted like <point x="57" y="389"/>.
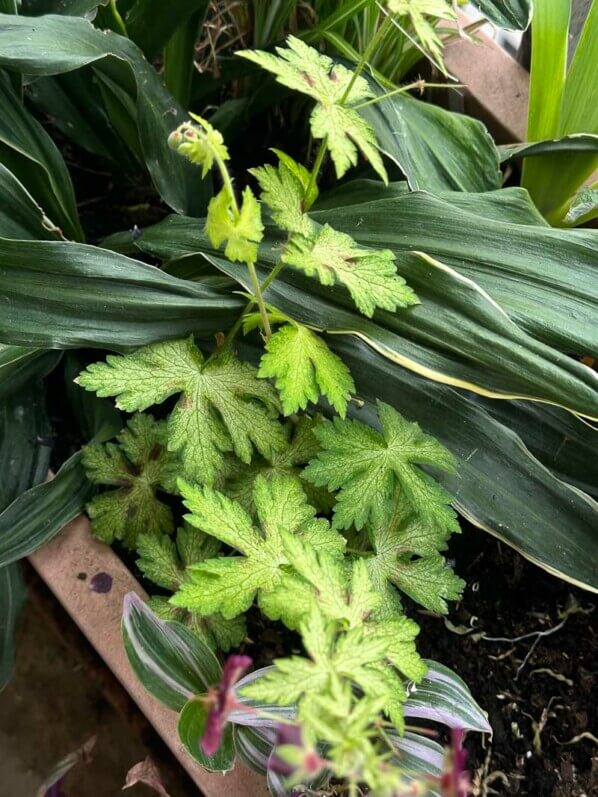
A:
<point x="367" y="467"/>
<point x="223" y="407"/>
<point x="242" y="233"/>
<point x="406" y="554"/>
<point x="230" y="584"/>
<point x="165" y="563"/>
<point x="369" y="274"/>
<point x="302" y="68"/>
<point x="361" y="656"/>
<point x="304" y="368"/>
<point x="139" y="466"/>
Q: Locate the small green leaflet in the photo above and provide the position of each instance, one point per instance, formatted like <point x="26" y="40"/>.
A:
<point x="369" y="274"/>
<point x="242" y="232"/>
<point x="346" y="132"/>
<point x="367" y="466"/>
<point x="345" y="594"/>
<point x="304" y="368"/>
<point x="406" y="554"/>
<point x="165" y="563"/>
<point x="223" y="407"/>
<point x="229" y="584"/>
<point x="309" y="185"/>
<point x="283" y="192"/>
<point x="138" y="466"/>
<point x="304" y="69"/>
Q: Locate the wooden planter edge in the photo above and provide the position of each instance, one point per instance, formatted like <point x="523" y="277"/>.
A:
<point x="67" y="564"/>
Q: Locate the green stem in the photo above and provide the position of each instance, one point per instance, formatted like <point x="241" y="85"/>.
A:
<point x="232" y="333"/>
<point x="313" y="177"/>
<point x="257" y="292"/>
<point x="418" y="84"/>
<point x="228" y="184"/>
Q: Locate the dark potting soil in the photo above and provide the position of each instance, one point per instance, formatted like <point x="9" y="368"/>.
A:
<point x="539" y="691"/>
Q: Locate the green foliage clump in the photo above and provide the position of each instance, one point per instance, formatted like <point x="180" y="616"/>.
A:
<point x="320" y="524"/>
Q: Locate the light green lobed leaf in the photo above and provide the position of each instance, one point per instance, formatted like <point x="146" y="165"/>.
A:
<point x="139" y="466"/>
<point x="229" y="585"/>
<point x="367" y="467"/>
<point x="223" y="407"/>
<point x="283" y="192"/>
<point x="335" y="89"/>
<point x="241" y="233"/>
<point x="304" y="369"/>
<point x="369" y="274"/>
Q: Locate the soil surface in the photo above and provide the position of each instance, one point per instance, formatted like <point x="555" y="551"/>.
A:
<point x="540" y="690"/>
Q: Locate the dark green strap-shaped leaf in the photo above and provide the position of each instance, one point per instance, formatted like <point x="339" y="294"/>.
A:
<point x="151" y="23"/>
<point x="192" y="723"/>
<point x="563" y="443"/>
<point x="25" y="443"/>
<point x="71" y="8"/>
<point x="507" y="14"/>
<point x="172" y="663"/>
<point x="24" y="458"/>
<point x="500" y="486"/>
<point x="66" y="295"/>
<point x="509" y="205"/>
<point x="458" y="335"/>
<point x="576" y="142"/>
<point x="12" y="599"/>
<point x="37" y="515"/>
<point x="544" y="278"/>
<point x="97" y="418"/>
<point x="437" y="150"/>
<point x="497" y="239"/>
<point x="74" y="102"/>
<point x="20" y="215"/>
<point x="31" y="155"/>
<point x="50" y="45"/>
<point x="19" y="365"/>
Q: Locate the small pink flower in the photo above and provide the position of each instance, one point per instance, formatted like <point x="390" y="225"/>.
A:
<point x="455" y="778"/>
<point x="222" y="700"/>
<point x="292" y="756"/>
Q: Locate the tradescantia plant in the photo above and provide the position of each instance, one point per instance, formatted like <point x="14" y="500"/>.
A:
<point x="336" y="580"/>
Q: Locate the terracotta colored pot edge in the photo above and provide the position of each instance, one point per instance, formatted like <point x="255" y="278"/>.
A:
<point x="67" y="564"/>
<point x="496" y="86"/>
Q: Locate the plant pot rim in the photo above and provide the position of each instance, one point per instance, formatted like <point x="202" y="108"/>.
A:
<point x="67" y="565"/>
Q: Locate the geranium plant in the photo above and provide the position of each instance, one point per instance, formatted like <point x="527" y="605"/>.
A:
<point x="320" y="521"/>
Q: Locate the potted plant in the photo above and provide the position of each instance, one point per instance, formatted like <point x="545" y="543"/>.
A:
<point x="416" y="326"/>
